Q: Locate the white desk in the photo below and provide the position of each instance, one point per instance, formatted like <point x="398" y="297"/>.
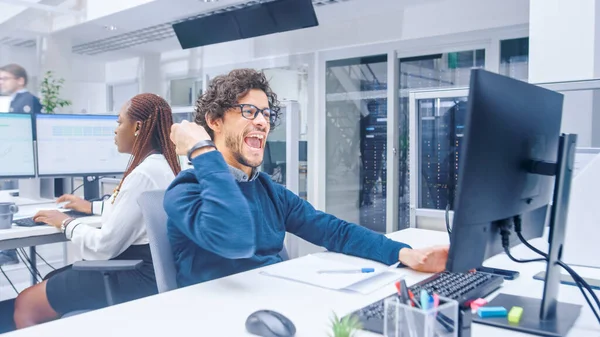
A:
<point x="220" y="307"/>
<point x="19" y="237"/>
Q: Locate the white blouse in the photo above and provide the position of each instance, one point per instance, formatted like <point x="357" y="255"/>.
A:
<point x="122" y="222"/>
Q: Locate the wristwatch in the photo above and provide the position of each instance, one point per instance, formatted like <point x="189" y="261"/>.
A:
<point x="199" y="145"/>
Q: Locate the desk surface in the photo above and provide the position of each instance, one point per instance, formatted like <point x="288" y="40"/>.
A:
<point x="220" y="307"/>
<point x="27" y="208"/>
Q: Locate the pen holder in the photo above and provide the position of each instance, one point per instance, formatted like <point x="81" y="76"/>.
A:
<point x="402" y="320"/>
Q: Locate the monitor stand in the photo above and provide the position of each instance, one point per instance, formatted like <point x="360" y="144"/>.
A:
<point x="91" y="188"/>
<point x="547" y="317"/>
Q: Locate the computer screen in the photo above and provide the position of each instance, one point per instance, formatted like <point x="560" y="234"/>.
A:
<point x="16" y="146"/>
<point x="76" y="145"/>
<point x="508" y="124"/>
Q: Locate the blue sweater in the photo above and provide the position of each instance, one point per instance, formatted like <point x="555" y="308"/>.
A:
<point x="218" y="226"/>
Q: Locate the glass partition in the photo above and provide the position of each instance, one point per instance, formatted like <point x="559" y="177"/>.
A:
<point x="444" y="70"/>
<point x="438" y="126"/>
<point x="441" y="126"/>
<point x="184" y="91"/>
<point x="356" y="108"/>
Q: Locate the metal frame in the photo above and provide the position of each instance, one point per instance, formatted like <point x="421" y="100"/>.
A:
<point x="109" y="93"/>
<point x="415" y="141"/>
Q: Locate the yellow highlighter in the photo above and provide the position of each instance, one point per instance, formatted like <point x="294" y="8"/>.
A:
<point x="514" y="315"/>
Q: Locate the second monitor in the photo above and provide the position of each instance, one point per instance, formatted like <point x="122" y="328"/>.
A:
<point x="78" y="145"/>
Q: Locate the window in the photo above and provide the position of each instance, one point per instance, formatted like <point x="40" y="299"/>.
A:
<point x="120" y="93"/>
<point x="514" y="58"/>
<point x="184" y="92"/>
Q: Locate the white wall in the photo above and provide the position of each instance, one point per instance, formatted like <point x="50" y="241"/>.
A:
<point x="563" y="34"/>
<point x="25" y="57"/>
<point x="123" y="71"/>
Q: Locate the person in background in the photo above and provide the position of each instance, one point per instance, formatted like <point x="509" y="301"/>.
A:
<point x="225" y="217"/>
<point x="13" y="82"/>
<point x="143" y="131"/>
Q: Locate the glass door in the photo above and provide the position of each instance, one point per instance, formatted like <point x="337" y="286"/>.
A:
<point x="356" y="141"/>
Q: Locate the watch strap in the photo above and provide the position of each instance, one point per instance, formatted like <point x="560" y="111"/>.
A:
<point x="199" y="145"/>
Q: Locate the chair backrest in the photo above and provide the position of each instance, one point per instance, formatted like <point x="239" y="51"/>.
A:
<point x="155" y="217"/>
<point x="284" y="254"/>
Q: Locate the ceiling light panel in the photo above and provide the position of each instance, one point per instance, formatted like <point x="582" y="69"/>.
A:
<point x="162" y="31"/>
<point x="17" y="42"/>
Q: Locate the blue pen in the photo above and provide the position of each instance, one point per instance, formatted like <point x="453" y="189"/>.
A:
<point x="347" y="271"/>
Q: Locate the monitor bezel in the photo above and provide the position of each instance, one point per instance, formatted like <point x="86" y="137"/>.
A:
<point x="69" y="174"/>
<point x="33" y="148"/>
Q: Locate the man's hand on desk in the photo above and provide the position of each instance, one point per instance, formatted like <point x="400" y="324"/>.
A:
<point x="76" y="203"/>
<point x="426" y="260"/>
<point x="53" y="218"/>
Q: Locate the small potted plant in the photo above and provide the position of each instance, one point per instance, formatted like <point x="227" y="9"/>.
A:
<point x="345" y="327"/>
<point x="50" y="89"/>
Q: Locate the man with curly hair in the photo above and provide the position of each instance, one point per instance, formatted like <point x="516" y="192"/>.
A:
<point x="225" y="217"/>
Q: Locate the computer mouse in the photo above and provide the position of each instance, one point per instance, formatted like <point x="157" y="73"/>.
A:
<point x="268" y="323"/>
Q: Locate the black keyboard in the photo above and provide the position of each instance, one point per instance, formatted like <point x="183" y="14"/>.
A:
<point x="28" y="222"/>
<point x="462" y="287"/>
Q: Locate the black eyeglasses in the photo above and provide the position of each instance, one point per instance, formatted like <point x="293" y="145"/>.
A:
<point x="250" y="111"/>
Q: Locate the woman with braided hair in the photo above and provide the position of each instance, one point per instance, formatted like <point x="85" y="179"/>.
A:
<point x="143" y="129"/>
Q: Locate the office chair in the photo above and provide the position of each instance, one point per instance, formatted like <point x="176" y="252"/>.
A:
<point x="108" y="269"/>
<point x="151" y="203"/>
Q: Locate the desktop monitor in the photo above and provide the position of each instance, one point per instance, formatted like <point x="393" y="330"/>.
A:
<point x="512" y="155"/>
<point x="16" y="146"/>
<point x="78" y="145"/>
<point x="508" y="123"/>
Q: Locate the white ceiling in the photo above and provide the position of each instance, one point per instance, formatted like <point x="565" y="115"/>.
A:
<point x="128" y="23"/>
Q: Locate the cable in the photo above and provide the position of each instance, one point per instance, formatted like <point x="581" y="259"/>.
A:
<point x="582" y="283"/>
<point x="25" y="258"/>
<point x="9" y="281"/>
<point x="507" y="251"/>
<point x="517" y="222"/>
<point x="447" y="217"/>
<point x="75" y="190"/>
<point x="579" y="281"/>
<point x="505" y="233"/>
<point x="27" y="262"/>
<point x="80" y="186"/>
<point x="46" y="262"/>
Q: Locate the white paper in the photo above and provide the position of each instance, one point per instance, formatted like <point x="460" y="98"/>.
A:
<point x="306" y="270"/>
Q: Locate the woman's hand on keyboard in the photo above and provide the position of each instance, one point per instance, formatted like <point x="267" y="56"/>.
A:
<point x="76" y="203"/>
<point x="53" y="218"/>
<point x="427" y="260"/>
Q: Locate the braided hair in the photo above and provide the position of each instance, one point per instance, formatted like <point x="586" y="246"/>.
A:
<point x="156" y="117"/>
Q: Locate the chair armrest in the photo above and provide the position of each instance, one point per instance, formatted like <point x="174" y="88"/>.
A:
<point x="108" y="266"/>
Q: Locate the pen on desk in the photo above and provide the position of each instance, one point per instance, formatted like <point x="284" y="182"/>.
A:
<point x="347" y="271"/>
<point x="405" y="300"/>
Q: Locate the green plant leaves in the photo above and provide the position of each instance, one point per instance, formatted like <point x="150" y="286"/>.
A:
<point x="345" y="327"/>
<point x="50" y="89"/>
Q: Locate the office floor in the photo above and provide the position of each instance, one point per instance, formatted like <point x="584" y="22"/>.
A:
<point x="19" y="274"/>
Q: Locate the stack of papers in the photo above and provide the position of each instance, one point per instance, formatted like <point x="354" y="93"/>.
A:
<point x="326" y="273"/>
